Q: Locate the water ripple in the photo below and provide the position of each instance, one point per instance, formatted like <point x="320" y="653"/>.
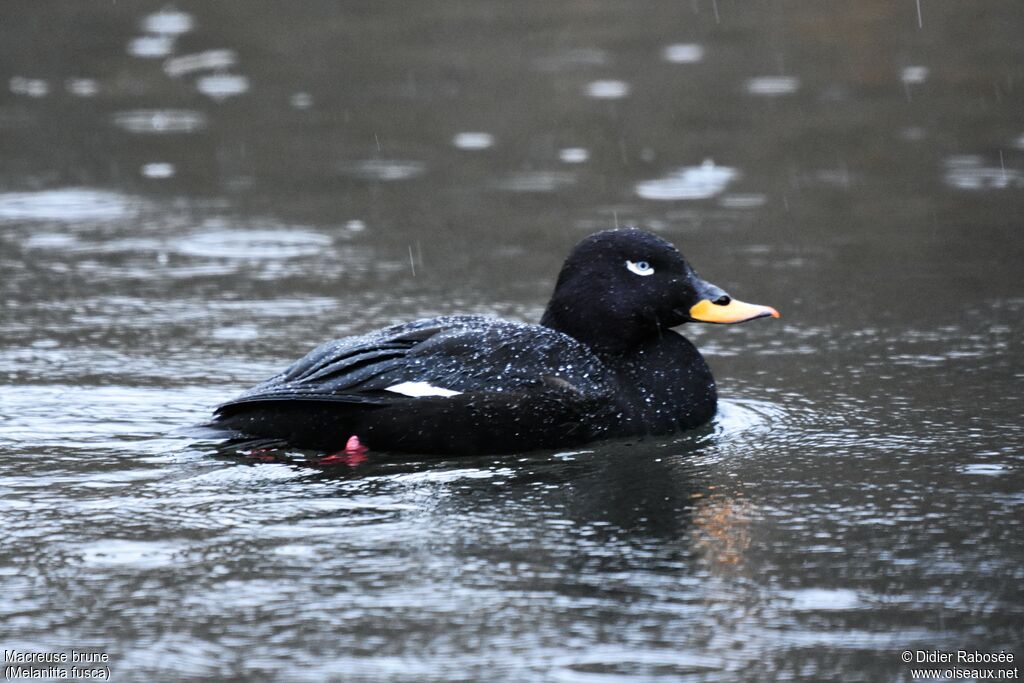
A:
<point x="252" y="244"/>
<point x="160" y="121"/>
<point x="683" y="53"/>
<point x="66" y="204"/>
<point x="688" y="183"/>
<point x="109" y="552"/>
<point x="608" y="90"/>
<point x="969" y="172"/>
<point x="574" y="155"/>
<point x="151" y="47"/>
<point x="209" y="60"/>
<point x="31" y="87"/>
<point x="471" y="141"/>
<point x="222" y="86"/>
<point x="536" y="181"/>
<point x="772" y="86"/>
<point x="168" y="22"/>
<point x="387" y="170"/>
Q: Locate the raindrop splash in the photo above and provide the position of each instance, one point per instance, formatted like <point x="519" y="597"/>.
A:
<point x="688" y="183"/>
<point x="82" y="87"/>
<point x="387" y="170"/>
<point x="473" y="141"/>
<point x="683" y="53"/>
<point x="772" y="86"/>
<point x="160" y="121"/>
<point x="608" y="90"/>
<point x="151" y="47"/>
<point x="168" y="22"/>
<point x="914" y="74"/>
<point x="536" y="181"/>
<point x="202" y="61"/>
<point x="301" y="100"/>
<point x="67" y="204"/>
<point x="31" y="87"/>
<point x="968" y="172"/>
<point x="253" y="244"/>
<point x="158" y="170"/>
<point x="574" y="155"/>
<point x="220" y="87"/>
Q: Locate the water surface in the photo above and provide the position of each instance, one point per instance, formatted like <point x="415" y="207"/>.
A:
<point x="192" y="196"/>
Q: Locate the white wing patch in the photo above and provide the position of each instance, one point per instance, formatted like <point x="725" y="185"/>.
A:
<point x="421" y="390"/>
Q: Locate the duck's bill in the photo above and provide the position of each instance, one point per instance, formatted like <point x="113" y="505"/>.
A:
<point x="707" y="311"/>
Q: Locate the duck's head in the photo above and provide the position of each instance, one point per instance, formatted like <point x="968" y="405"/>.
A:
<point x="619" y="287"/>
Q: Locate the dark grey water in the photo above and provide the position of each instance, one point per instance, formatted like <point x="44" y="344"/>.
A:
<point x="191" y="196"/>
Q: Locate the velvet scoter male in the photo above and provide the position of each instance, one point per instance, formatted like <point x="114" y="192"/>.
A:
<point x="603" y="362"/>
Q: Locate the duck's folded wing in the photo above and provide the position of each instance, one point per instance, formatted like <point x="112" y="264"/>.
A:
<point x="447" y="385"/>
<point x="335" y="371"/>
<point x="436" y="358"/>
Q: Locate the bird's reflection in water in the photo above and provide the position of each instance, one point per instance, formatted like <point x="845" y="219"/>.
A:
<point x="640" y="489"/>
<point x="634" y="504"/>
<point x="722" y="531"/>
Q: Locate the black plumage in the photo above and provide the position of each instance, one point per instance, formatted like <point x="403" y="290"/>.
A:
<point x="603" y="362"/>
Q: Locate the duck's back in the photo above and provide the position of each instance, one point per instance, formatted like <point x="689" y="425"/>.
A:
<point x="457" y="384"/>
<point x="453" y="353"/>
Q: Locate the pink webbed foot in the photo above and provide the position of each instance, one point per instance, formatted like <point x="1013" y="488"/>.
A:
<point x="354" y="454"/>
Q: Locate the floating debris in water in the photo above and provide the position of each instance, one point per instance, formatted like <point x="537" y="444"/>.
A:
<point x="168" y="22"/>
<point x="82" y="87"/>
<point x="203" y="61"/>
<point x="574" y="155"/>
<point x="473" y="141"/>
<point x="689" y="183"/>
<point x="772" y="86"/>
<point x="158" y="170"/>
<point x="608" y="90"/>
<point x="32" y="87"/>
<point x="222" y="86"/>
<point x="355" y="225"/>
<point x="383" y="169"/>
<point x="160" y="121"/>
<point x="151" y="47"/>
<point x="683" y="53"/>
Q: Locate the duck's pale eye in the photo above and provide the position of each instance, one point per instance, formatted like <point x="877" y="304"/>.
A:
<point x="640" y="267"/>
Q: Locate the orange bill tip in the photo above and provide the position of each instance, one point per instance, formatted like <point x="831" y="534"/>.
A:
<point x="736" y="311"/>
